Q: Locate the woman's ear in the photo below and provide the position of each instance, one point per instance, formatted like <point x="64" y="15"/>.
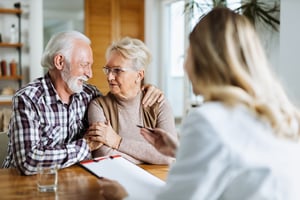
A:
<point x="140" y="75"/>
<point x="59" y="61"/>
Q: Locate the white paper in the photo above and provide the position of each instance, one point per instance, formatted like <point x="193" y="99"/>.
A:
<point x="137" y="182"/>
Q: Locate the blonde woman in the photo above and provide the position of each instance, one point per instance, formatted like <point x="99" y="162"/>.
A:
<point x="242" y="143"/>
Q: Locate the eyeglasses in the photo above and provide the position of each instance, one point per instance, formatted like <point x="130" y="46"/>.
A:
<point x="115" y="70"/>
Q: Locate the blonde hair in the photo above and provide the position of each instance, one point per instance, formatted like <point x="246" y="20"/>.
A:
<point x="230" y="64"/>
<point x="133" y="49"/>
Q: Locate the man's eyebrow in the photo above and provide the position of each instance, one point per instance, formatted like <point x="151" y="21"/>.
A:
<point x="85" y="63"/>
<point x="115" y="66"/>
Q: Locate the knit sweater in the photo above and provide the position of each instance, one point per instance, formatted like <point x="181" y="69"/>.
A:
<point x="124" y="115"/>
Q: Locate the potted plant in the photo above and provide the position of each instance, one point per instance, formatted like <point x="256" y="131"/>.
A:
<point x="255" y="10"/>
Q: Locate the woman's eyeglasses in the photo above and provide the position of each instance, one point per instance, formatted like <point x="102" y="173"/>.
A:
<point x="115" y="70"/>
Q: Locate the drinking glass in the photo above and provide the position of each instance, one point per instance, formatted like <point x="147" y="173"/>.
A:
<point x="47" y="177"/>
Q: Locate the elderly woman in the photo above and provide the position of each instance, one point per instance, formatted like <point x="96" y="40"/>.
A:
<point x="121" y="110"/>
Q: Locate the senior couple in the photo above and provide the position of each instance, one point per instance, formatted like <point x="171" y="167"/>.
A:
<point x="51" y="122"/>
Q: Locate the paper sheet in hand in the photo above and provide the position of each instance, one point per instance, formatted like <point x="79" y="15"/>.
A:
<point x="136" y="180"/>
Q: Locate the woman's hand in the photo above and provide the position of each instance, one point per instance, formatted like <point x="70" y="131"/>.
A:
<point x="112" y="190"/>
<point x="92" y="144"/>
<point x="152" y="95"/>
<point x="161" y="140"/>
<point x="103" y="133"/>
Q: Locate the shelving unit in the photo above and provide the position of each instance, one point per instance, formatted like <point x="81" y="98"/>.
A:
<point x="4" y="99"/>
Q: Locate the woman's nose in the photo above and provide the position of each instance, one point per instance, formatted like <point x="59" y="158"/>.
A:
<point x="110" y="76"/>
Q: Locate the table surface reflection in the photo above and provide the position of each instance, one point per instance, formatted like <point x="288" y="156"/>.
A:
<point x="73" y="183"/>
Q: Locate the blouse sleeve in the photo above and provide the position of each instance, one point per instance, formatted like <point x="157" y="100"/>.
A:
<point x="210" y="168"/>
<point x="201" y="162"/>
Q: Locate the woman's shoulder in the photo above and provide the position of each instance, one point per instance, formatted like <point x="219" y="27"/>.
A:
<point x="220" y="111"/>
<point x="209" y="110"/>
<point x="204" y="116"/>
<point x="222" y="118"/>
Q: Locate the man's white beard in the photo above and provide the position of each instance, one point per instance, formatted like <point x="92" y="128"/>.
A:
<point x="73" y="82"/>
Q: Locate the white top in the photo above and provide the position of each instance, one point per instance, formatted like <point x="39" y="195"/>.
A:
<point x="229" y="154"/>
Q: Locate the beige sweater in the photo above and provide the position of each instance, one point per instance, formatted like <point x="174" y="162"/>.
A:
<point x="130" y="113"/>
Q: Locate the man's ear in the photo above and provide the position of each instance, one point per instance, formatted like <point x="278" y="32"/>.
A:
<point x="59" y="61"/>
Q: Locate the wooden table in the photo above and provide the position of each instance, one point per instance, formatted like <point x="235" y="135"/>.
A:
<point x="73" y="183"/>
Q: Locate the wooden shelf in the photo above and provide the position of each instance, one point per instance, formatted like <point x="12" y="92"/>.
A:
<point x="10" y="11"/>
<point x="5" y="99"/>
<point x="13" y="78"/>
<point x="5" y="103"/>
<point x="13" y="45"/>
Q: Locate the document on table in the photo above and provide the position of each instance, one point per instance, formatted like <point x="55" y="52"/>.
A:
<point x="138" y="182"/>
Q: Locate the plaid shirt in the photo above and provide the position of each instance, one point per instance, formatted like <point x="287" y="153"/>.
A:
<point x="44" y="129"/>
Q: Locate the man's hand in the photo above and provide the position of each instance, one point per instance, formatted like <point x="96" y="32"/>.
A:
<point x="152" y="95"/>
<point x="104" y="133"/>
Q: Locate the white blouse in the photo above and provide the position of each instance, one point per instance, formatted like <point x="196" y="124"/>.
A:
<point x="229" y="154"/>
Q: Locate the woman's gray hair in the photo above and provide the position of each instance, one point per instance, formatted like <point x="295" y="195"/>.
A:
<point x="133" y="49"/>
<point x="61" y="43"/>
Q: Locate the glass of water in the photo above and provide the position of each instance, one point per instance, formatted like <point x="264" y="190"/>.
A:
<point x="47" y="177"/>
